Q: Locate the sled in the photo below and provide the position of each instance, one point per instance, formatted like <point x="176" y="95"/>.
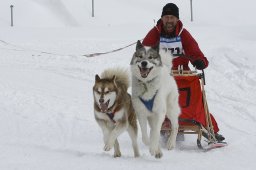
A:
<point x="193" y="109"/>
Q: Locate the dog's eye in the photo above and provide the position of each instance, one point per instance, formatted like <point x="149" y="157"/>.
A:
<point x="106" y="92"/>
<point x="139" y="56"/>
<point x="150" y="57"/>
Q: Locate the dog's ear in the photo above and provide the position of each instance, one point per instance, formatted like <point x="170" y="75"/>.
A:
<point x="156" y="47"/>
<point x="97" y="78"/>
<point x="131" y="62"/>
<point x="139" y="45"/>
<point x="114" y="79"/>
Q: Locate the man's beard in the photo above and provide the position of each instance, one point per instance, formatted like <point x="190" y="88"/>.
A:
<point x="169" y="27"/>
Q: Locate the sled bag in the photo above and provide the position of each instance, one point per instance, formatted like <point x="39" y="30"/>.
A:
<point x="191" y="100"/>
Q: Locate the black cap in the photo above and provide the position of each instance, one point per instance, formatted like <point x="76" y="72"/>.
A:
<point x="170" y="9"/>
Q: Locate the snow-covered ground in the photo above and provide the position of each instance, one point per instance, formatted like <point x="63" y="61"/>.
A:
<point x="46" y="103"/>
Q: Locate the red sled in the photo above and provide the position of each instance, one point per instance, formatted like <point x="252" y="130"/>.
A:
<point x="195" y="117"/>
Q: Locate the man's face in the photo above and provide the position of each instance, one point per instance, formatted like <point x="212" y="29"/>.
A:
<point x="169" y="22"/>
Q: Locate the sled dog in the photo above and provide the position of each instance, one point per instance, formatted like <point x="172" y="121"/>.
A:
<point x="113" y="109"/>
<point x="154" y="95"/>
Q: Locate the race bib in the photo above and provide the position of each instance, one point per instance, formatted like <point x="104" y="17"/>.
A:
<point x="173" y="45"/>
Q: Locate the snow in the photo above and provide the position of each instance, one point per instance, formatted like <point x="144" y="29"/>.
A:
<point x="46" y="108"/>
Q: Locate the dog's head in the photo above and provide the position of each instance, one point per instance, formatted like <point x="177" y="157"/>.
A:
<point x="146" y="62"/>
<point x="105" y="93"/>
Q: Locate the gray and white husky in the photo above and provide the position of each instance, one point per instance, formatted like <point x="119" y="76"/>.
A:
<point x="113" y="109"/>
<point x="154" y="95"/>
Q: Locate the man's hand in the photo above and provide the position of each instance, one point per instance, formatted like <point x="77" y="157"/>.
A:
<point x="199" y="64"/>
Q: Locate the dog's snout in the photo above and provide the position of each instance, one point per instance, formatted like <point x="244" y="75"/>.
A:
<point x="101" y="100"/>
<point x="144" y="64"/>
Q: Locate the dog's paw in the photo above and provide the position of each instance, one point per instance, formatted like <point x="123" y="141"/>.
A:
<point x="117" y="154"/>
<point x="153" y="150"/>
<point x="108" y="147"/>
<point x="170" y="144"/>
<point x="157" y="153"/>
<point x="136" y="153"/>
<point x="170" y="147"/>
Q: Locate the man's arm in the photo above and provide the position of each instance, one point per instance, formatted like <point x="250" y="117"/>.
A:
<point x="193" y="51"/>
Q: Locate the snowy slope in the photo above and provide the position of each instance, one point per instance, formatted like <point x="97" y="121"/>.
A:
<point x="46" y="108"/>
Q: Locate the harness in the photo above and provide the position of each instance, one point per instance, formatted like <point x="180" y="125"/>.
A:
<point x="111" y="116"/>
<point x="148" y="103"/>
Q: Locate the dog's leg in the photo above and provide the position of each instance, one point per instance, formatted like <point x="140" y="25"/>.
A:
<point x="120" y="127"/>
<point x="137" y="104"/>
<point x="173" y="111"/>
<point x="171" y="143"/>
<point x="117" y="152"/>
<point x="143" y="125"/>
<point x="133" y="135"/>
<point x="155" y="123"/>
<point x="105" y="129"/>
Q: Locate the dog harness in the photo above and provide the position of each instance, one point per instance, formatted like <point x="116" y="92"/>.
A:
<point x="148" y="103"/>
<point x="111" y="116"/>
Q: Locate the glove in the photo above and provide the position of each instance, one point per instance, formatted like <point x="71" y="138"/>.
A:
<point x="199" y="64"/>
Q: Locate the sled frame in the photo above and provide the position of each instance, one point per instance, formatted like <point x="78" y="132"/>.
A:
<point x="195" y="127"/>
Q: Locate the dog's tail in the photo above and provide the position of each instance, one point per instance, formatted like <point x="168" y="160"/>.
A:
<point x="122" y="76"/>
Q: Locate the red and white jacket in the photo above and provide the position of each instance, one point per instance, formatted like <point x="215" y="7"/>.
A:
<point x="191" y="50"/>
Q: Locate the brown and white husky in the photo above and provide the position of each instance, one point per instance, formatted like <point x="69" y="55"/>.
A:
<point x="113" y="109"/>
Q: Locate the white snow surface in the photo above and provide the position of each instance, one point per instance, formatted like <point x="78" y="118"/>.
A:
<point x="46" y="102"/>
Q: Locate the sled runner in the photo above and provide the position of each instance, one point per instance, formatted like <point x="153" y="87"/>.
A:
<point x="195" y="117"/>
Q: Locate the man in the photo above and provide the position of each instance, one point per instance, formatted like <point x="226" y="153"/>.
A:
<point x="171" y="36"/>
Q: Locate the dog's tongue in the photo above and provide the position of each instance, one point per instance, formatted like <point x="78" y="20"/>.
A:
<point x="104" y="107"/>
<point x="144" y="72"/>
